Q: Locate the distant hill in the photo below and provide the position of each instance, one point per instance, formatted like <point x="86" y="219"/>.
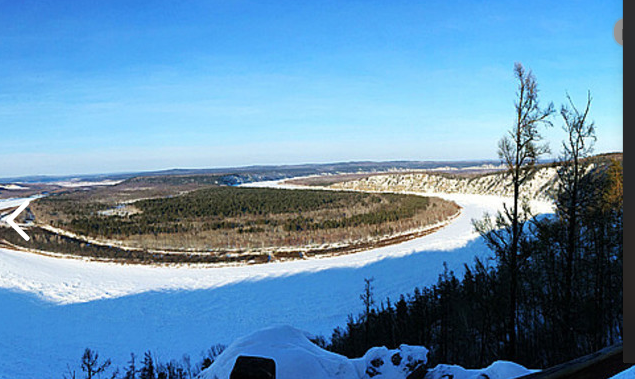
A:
<point x="264" y="172"/>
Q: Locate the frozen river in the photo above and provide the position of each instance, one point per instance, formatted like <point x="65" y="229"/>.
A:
<point x="53" y="308"/>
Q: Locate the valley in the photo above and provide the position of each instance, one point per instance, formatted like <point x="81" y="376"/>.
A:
<point x="223" y="224"/>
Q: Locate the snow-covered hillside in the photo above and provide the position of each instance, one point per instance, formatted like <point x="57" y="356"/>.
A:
<point x="52" y="309"/>
<point x="541" y="186"/>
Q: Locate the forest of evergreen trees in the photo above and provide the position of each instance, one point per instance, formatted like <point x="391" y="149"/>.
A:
<point x="212" y="221"/>
<point x="209" y="209"/>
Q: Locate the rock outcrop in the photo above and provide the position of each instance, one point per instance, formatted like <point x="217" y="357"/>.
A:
<point x="541" y="186"/>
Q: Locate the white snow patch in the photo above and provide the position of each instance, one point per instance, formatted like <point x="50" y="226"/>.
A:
<point x="626" y="374"/>
<point x="11" y="203"/>
<point x="294" y="354"/>
<point x="80" y="183"/>
<point x="11" y="187"/>
<point x="497" y="370"/>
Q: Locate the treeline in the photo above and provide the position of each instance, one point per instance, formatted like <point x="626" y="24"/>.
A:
<point x="72" y="204"/>
<point x="407" y="207"/>
<point x="236" y="201"/>
<point x="175" y="180"/>
<point x="92" y="366"/>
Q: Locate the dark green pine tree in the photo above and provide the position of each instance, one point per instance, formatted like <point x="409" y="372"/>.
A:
<point x="131" y="370"/>
<point x="147" y="371"/>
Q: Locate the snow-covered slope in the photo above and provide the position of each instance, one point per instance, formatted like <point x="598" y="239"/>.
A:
<point x="497" y="370"/>
<point x="52" y="309"/>
<point x="540" y="186"/>
<point x="11" y="203"/>
<point x="626" y="374"/>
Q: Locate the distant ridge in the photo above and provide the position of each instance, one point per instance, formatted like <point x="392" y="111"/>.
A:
<point x="283" y="171"/>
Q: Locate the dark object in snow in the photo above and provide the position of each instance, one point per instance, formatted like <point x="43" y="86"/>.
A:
<point x="372" y="372"/>
<point x="377" y="362"/>
<point x="253" y="368"/>
<point x="419" y="373"/>
<point x="395" y="359"/>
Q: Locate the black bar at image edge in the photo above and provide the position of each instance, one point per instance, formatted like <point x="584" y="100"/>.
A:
<point x="629" y="212"/>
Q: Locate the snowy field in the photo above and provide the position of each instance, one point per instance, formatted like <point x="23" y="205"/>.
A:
<point x="53" y="308"/>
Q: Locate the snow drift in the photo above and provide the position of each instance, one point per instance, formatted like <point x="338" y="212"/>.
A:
<point x="497" y="370"/>
<point x="297" y="357"/>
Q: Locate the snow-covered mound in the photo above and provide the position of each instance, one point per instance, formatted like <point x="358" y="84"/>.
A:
<point x="297" y="357"/>
<point x="382" y="363"/>
<point x="497" y="370"/>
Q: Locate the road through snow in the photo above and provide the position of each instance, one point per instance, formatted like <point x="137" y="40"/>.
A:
<point x="52" y="308"/>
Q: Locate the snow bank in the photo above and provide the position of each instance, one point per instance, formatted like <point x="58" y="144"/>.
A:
<point x="626" y="374"/>
<point x="297" y="357"/>
<point x="11" y="203"/>
<point x="497" y="370"/>
<point x="15" y="201"/>
<point x="382" y="363"/>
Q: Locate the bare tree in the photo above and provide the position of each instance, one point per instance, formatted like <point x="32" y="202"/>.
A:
<point x="518" y="150"/>
<point x="131" y="371"/>
<point x="91" y="365"/>
<point x="70" y="374"/>
<point x="577" y="146"/>
<point x="368" y="299"/>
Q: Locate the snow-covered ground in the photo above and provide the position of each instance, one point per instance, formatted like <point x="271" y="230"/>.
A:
<point x="53" y="308"/>
<point x="11" y="187"/>
<point x="295" y="356"/>
<point x="626" y="374"/>
<point x="11" y="203"/>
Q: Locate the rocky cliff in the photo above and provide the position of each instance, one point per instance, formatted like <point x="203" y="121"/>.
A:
<point x="541" y="186"/>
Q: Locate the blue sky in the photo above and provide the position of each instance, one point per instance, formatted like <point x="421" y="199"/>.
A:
<point x="111" y="86"/>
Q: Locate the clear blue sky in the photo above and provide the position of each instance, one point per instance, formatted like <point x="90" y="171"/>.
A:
<point x="109" y="86"/>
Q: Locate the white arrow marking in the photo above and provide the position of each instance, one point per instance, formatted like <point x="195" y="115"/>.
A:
<point x="12" y="217"/>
